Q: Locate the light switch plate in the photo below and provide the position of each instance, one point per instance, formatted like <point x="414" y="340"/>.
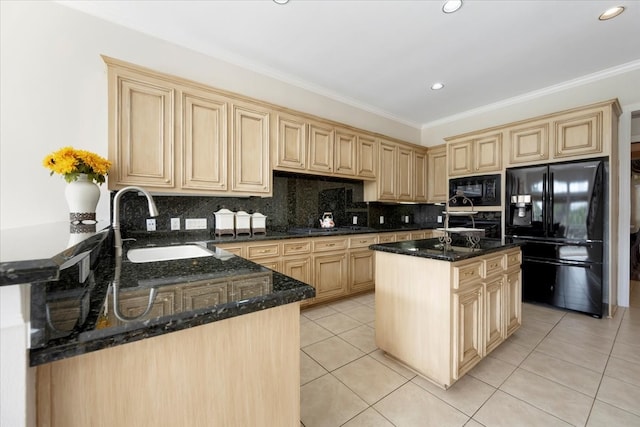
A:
<point x="355" y="220"/>
<point x="175" y="223"/>
<point x="439" y="218"/>
<point x="381" y="219"/>
<point x="151" y="224"/>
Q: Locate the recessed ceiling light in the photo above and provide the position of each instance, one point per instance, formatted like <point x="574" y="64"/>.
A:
<point x="437" y="86"/>
<point x="611" y="13"/>
<point x="281" y="1"/>
<point x="451" y="6"/>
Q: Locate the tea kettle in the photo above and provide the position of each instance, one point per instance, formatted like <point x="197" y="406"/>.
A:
<point x="327" y="220"/>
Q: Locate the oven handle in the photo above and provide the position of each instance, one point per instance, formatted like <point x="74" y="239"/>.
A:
<point x="559" y="263"/>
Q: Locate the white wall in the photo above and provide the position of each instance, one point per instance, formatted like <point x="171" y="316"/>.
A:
<point x="54" y="93"/>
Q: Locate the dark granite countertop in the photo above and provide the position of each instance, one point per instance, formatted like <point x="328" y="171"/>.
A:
<point x="458" y="250"/>
<point x="102" y="301"/>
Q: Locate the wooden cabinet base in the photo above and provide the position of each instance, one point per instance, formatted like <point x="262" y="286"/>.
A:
<point x="243" y="371"/>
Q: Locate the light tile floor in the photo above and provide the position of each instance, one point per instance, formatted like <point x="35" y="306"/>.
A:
<point x="559" y="369"/>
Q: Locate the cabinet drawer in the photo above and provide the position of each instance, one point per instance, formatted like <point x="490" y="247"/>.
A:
<point x="362" y="241"/>
<point x="263" y="251"/>
<point x="329" y="245"/>
<point x="512" y="259"/>
<point x="296" y="247"/>
<point x="386" y="238"/>
<point x="467" y="273"/>
<point x="403" y="236"/>
<point x="493" y="265"/>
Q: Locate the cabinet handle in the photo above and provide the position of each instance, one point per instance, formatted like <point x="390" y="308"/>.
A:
<point x="331" y="244"/>
<point x="363" y="241"/>
<point x="297" y="247"/>
<point x="469" y="273"/>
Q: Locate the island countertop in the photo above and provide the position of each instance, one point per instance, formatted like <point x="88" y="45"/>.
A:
<point x="459" y="248"/>
<point x="101" y="301"/>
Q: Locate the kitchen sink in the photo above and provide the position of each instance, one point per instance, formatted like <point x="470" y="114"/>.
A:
<point x="166" y="253"/>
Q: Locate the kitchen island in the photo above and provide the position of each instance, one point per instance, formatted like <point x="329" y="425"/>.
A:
<point x="441" y="307"/>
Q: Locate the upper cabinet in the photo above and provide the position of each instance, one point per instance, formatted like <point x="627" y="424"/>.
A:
<point x="142" y="130"/>
<point x="291" y="142"/>
<point x="171" y="136"/>
<point x="396" y="178"/>
<point x="420" y="168"/>
<point x="574" y="134"/>
<point x="366" y="156"/>
<point x="437" y="182"/>
<point x="474" y="155"/>
<point x="251" y="171"/>
<point x="344" y="159"/>
<point x="321" y="139"/>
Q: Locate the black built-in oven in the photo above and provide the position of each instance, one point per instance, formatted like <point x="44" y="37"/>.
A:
<point x="482" y="190"/>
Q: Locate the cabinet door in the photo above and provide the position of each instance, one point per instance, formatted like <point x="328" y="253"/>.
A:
<point x="494" y="323"/>
<point x="133" y="304"/>
<point x="291" y="146"/>
<point x="344" y="160"/>
<point x="529" y="143"/>
<point x="437" y="182"/>
<point x="250" y="287"/>
<point x="204" y="148"/>
<point x="299" y="268"/>
<point x="251" y="171"/>
<point x="578" y="134"/>
<point x="405" y="174"/>
<point x="142" y="132"/>
<point x="206" y="295"/>
<point x="366" y="157"/>
<point x="330" y="275"/>
<point x="387" y="172"/>
<point x="386" y="238"/>
<point x="321" y="147"/>
<point x="402" y="236"/>
<point x="487" y="152"/>
<point x="467" y="330"/>
<point x="420" y="176"/>
<point x="361" y="270"/>
<point x="460" y="155"/>
<point x="513" y="301"/>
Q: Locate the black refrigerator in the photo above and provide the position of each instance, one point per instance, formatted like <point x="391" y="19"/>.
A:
<point x="558" y="212"/>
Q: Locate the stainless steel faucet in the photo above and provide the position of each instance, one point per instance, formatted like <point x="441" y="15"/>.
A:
<point x="153" y="211"/>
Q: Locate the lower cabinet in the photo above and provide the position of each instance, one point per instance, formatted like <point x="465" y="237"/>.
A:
<point x="329" y="273"/>
<point x="361" y="270"/>
<point x="467" y="330"/>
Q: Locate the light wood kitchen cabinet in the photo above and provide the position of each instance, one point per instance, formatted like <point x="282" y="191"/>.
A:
<point x="321" y="144"/>
<point x="420" y="168"/>
<point x="578" y="134"/>
<point x="329" y="275"/>
<point x="250" y="166"/>
<point x="404" y="191"/>
<point x="133" y="304"/>
<point x="529" y="143"/>
<point x="361" y="263"/>
<point x="204" y="150"/>
<point x="141" y="130"/>
<point x="467" y="330"/>
<point x="366" y="157"/>
<point x="480" y="154"/>
<point x="207" y="294"/>
<point x="173" y="136"/>
<point x="386" y="237"/>
<point x="291" y="143"/>
<point x="472" y="295"/>
<point x="388" y="175"/>
<point x="403" y="235"/>
<point x="437" y="180"/>
<point x="344" y="159"/>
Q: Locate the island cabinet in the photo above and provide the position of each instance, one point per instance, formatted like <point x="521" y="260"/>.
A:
<point x="440" y="318"/>
<point x="437" y="180"/>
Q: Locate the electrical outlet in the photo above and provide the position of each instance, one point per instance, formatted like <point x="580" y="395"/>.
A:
<point x="195" y="223"/>
<point x="355" y="220"/>
<point x="439" y="218"/>
<point x="175" y="223"/>
<point x="151" y="224"/>
<point x="406" y="219"/>
<point x="381" y="219"/>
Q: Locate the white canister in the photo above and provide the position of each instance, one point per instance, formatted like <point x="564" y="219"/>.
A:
<point x="225" y="223"/>
<point x="243" y="223"/>
<point x="258" y="223"/>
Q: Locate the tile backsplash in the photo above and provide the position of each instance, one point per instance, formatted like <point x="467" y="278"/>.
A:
<point x="298" y="201"/>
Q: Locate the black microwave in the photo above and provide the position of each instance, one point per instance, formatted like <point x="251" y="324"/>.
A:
<point x="482" y="190"/>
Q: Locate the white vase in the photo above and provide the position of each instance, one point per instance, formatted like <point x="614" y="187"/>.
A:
<point x="82" y="197"/>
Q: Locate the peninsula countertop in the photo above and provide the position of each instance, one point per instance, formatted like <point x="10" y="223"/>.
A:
<point x="457" y="250"/>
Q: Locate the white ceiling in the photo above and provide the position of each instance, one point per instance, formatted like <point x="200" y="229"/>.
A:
<point x="384" y="55"/>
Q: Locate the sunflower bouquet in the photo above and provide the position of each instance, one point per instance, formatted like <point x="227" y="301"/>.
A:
<point x="70" y="163"/>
